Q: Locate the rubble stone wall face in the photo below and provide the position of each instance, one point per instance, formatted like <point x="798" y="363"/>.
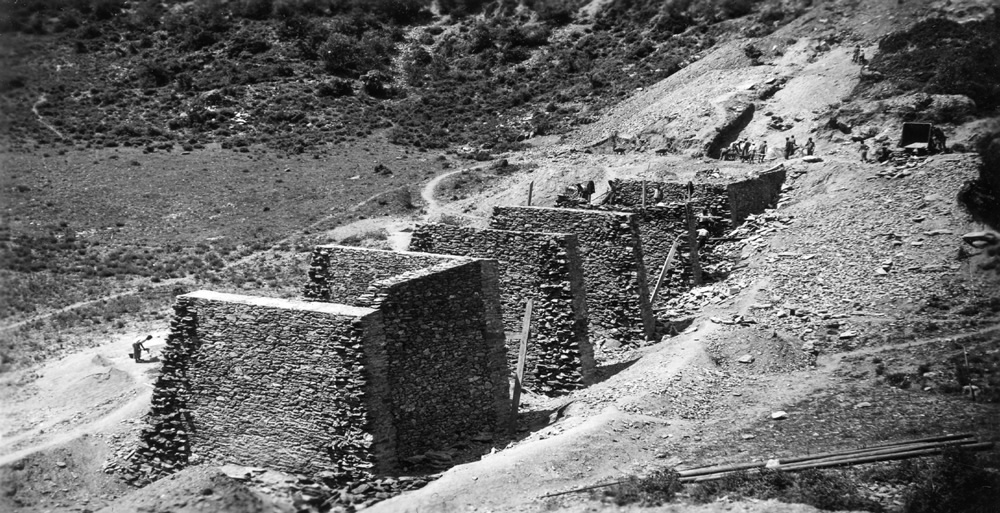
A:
<point x="753" y="195"/>
<point x="546" y="268"/>
<point x="617" y="292"/>
<point x="446" y="362"/>
<point x="719" y="209"/>
<point x="628" y="193"/>
<point x="290" y="385"/>
<point x="445" y="358"/>
<point x="341" y="274"/>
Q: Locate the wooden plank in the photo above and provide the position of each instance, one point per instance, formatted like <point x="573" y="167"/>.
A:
<point x="519" y="371"/>
<point x="664" y="269"/>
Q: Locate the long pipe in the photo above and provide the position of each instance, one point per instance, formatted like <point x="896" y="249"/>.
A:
<point x="697" y="471"/>
<point x="982" y="446"/>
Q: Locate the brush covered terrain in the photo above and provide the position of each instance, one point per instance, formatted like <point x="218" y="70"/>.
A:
<point x="154" y="148"/>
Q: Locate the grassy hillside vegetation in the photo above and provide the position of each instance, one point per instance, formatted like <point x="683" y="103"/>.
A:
<point x="304" y="74"/>
<point x="940" y="56"/>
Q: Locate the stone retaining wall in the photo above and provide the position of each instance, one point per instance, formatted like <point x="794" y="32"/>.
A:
<point x="291" y="385"/>
<point x="341" y="274"/>
<point x="617" y="292"/>
<point x="444" y="330"/>
<point x="546" y="268"/>
<point x="448" y="375"/>
<point x="628" y="193"/>
<point x="415" y="363"/>
<point x="718" y="207"/>
<point x="753" y="195"/>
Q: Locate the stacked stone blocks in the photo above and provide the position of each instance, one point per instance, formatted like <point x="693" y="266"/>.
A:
<point x="543" y="267"/>
<point x="415" y="362"/>
<point x="447" y="377"/>
<point x="617" y="291"/>
<point x="291" y="385"/>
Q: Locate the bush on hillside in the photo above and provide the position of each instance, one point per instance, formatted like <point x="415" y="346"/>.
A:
<point x="959" y="481"/>
<point x="940" y="56"/>
<point x="981" y="196"/>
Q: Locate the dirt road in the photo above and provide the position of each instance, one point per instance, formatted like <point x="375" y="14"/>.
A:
<point x="87" y="392"/>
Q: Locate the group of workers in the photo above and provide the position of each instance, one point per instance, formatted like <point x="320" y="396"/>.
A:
<point x="748" y="151"/>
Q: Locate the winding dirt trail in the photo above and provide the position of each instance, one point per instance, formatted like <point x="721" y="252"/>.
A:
<point x="90" y="391"/>
<point x="435" y="209"/>
<point x="34" y="108"/>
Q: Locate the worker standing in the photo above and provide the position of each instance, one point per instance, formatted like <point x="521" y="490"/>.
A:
<point x="137" y="348"/>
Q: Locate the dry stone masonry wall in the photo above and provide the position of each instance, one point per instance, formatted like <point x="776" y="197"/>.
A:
<point x="718" y="208"/>
<point x="444" y="331"/>
<point x="546" y="268"/>
<point x="628" y="193"/>
<point x="617" y="292"/>
<point x="292" y="385"/>
<point x="341" y="274"/>
<point x="661" y="223"/>
<point x="753" y="195"/>
<point x="414" y="364"/>
<point x="447" y="371"/>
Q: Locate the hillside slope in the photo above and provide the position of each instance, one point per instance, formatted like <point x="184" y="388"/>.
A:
<point x="862" y="309"/>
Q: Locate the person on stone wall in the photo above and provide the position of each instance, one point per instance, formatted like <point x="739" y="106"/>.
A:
<point x="610" y="197"/>
<point x="138" y="348"/>
<point x="702" y="237"/>
<point x="810" y="146"/>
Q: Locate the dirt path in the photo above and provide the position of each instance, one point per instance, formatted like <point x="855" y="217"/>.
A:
<point x="90" y="391"/>
<point x="34" y="108"/>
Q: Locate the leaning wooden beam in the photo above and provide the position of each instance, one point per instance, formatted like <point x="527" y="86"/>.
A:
<point x="519" y="370"/>
<point x="664" y="269"/>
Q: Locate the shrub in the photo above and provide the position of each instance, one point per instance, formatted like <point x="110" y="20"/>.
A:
<point x="107" y="9"/>
<point x="399" y="11"/>
<point x="335" y="88"/>
<point x="827" y="490"/>
<point x="960" y="481"/>
<point x="254" y="9"/>
<point x="154" y="74"/>
<point x="556" y="12"/>
<point x="656" y="489"/>
<point x="340" y="53"/>
<point x="374" y="83"/>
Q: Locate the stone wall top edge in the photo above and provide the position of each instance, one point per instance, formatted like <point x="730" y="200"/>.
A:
<point x="393" y="252"/>
<point x="278" y="303"/>
<point x="512" y="232"/>
<point x="576" y="210"/>
<point x="700" y="181"/>
<point x="429" y="271"/>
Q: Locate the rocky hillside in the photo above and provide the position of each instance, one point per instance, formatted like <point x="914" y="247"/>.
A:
<point x="152" y="147"/>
